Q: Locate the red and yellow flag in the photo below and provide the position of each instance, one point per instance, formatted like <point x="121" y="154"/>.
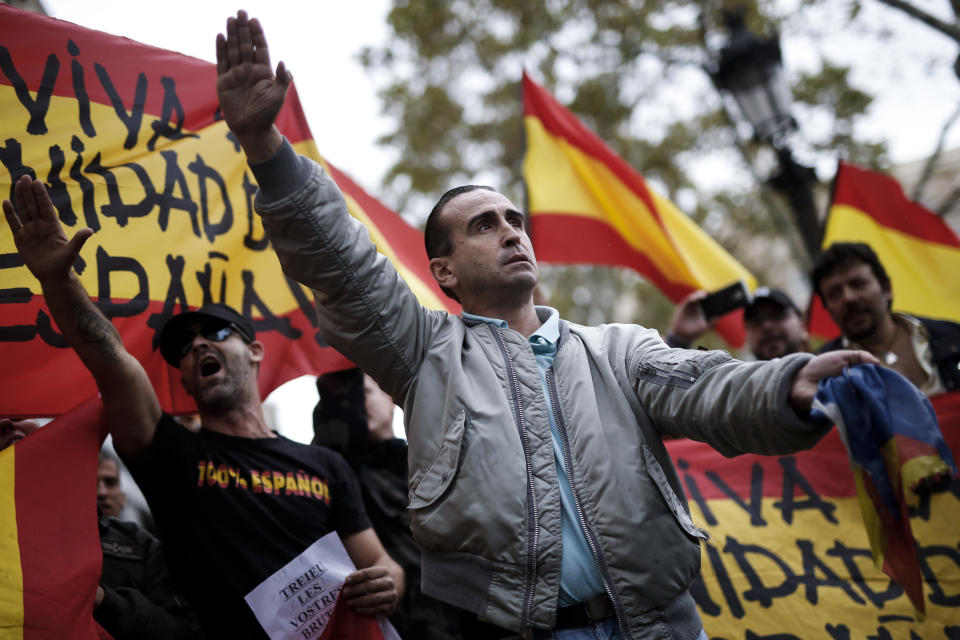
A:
<point x="129" y="142"/>
<point x="587" y="205"/>
<point x="50" y="554"/>
<point x="920" y="253"/>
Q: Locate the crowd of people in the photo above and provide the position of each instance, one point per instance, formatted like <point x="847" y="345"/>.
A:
<point x="533" y="494"/>
<point x="856" y="291"/>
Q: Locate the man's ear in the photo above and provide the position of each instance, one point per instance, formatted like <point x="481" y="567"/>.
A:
<point x="442" y="272"/>
<point x="256" y="351"/>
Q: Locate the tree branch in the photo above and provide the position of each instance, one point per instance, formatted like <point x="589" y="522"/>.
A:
<point x="934" y="157"/>
<point x="949" y="202"/>
<point x="950" y="30"/>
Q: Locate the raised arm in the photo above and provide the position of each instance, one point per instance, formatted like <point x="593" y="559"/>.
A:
<point x="251" y="94"/>
<point x="366" y="311"/>
<point x="130" y="405"/>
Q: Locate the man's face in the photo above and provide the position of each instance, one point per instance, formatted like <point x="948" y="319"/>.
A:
<point x="12" y="431"/>
<point x="855" y="300"/>
<point x="218" y="372"/>
<point x="774" y="331"/>
<point x="492" y="254"/>
<point x="110" y="497"/>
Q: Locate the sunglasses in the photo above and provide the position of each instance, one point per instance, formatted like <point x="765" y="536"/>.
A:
<point x="213" y="332"/>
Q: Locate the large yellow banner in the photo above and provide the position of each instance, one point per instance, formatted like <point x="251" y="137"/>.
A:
<point x="789" y="557"/>
<point x="129" y="142"/>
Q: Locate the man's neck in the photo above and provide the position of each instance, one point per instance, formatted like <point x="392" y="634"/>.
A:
<point x="881" y="339"/>
<point x="244" y="421"/>
<point x="522" y="319"/>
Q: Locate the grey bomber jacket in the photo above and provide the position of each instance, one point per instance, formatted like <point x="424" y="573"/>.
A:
<point x="483" y="489"/>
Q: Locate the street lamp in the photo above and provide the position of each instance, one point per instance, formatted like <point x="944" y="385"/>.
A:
<point x="750" y="68"/>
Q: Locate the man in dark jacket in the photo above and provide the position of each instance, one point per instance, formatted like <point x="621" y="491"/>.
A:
<point x="856" y="291"/>
<point x="354" y="417"/>
<point x="136" y="599"/>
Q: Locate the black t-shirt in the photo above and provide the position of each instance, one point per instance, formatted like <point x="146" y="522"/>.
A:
<point x="231" y="511"/>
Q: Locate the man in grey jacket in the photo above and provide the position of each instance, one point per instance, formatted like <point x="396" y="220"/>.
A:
<point x="540" y="490"/>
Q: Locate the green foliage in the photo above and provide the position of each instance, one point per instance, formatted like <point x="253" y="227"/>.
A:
<point x="632" y="70"/>
<point x="831" y="86"/>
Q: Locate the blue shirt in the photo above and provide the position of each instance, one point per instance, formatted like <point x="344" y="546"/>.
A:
<point x="579" y="576"/>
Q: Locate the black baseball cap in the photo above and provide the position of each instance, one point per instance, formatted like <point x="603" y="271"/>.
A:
<point x="766" y="294"/>
<point x="172" y="331"/>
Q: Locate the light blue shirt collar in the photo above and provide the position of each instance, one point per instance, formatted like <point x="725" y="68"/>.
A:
<point x="549" y="331"/>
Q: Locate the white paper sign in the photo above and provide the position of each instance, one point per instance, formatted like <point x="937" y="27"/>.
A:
<point x="296" y="602"/>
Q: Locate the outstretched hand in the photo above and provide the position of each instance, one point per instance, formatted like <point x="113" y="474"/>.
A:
<point x="825" y="365"/>
<point x="37" y="231"/>
<point x="251" y="94"/>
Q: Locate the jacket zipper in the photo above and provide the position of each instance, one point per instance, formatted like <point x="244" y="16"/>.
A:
<point x="664" y="376"/>
<point x="587" y="531"/>
<point x="533" y="517"/>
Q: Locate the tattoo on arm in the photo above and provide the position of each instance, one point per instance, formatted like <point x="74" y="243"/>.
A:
<point x="94" y="328"/>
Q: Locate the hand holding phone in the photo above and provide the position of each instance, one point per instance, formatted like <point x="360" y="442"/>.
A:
<point x="723" y="301"/>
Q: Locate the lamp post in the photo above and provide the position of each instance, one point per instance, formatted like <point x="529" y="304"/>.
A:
<point x="750" y="69"/>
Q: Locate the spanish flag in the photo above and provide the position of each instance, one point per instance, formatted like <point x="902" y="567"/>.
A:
<point x="50" y="554"/>
<point x="587" y="205"/>
<point x="129" y="141"/>
<point x="920" y="253"/>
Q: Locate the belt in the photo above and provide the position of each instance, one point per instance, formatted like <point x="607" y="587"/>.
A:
<point x="584" y="613"/>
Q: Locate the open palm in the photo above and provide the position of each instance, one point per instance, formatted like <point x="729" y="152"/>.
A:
<point x="37" y="232"/>
<point x="251" y="95"/>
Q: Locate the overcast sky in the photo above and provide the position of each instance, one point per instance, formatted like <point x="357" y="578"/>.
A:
<point x="318" y="41"/>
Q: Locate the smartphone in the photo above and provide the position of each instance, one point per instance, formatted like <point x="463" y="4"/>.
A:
<point x="723" y="301"/>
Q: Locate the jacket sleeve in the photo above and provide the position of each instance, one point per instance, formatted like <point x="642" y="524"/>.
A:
<point x="365" y="310"/>
<point x="736" y="407"/>
<point x="151" y="611"/>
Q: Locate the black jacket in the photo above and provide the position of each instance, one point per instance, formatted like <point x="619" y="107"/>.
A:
<point x="139" y="601"/>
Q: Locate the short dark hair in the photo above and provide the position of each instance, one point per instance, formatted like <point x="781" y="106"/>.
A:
<point x="840" y="255"/>
<point x="436" y="234"/>
<point x="106" y="456"/>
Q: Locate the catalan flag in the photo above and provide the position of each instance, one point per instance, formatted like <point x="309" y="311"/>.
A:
<point x="129" y="142"/>
<point x="920" y="253"/>
<point x="587" y="205"/>
<point x="50" y="554"/>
